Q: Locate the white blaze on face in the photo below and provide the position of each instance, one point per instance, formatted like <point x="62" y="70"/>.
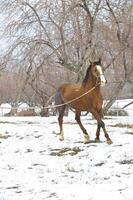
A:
<point x="101" y="75"/>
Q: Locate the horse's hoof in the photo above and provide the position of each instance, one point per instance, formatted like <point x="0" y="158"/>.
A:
<point x="61" y="138"/>
<point x="86" y="139"/>
<point x="109" y="141"/>
<point x="86" y="142"/>
<point x="97" y="140"/>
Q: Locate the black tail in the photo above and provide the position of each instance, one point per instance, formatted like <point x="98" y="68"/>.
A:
<point x="58" y="98"/>
<point x="59" y="101"/>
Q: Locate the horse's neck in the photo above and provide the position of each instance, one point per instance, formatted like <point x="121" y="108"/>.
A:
<point x="90" y="83"/>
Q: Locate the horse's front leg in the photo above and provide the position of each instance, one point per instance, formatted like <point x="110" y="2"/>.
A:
<point x="86" y="136"/>
<point x="101" y="124"/>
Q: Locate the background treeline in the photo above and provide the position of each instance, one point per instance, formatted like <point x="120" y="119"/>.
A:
<point x="46" y="43"/>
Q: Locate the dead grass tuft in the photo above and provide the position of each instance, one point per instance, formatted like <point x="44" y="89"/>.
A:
<point x="130" y="133"/>
<point x="128" y="162"/>
<point x="120" y="125"/>
<point x="65" y="151"/>
<point x="4" y="136"/>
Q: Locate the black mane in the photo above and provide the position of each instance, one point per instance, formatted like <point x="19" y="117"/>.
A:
<point x="87" y="74"/>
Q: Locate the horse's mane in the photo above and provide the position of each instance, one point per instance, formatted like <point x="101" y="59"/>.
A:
<point x="87" y="75"/>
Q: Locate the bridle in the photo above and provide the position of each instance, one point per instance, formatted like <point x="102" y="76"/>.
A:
<point x="98" y="77"/>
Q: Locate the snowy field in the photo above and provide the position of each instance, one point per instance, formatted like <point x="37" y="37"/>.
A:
<point x="35" y="165"/>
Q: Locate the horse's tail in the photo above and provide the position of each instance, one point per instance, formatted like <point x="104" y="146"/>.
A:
<point x="58" y="98"/>
<point x="60" y="101"/>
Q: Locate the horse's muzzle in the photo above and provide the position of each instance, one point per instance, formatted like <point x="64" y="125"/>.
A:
<point x="103" y="80"/>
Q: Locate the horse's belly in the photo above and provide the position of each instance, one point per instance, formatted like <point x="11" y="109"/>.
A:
<point x="81" y="105"/>
<point x="86" y="104"/>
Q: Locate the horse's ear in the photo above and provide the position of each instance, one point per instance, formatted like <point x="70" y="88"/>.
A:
<point x="99" y="61"/>
<point x="90" y="62"/>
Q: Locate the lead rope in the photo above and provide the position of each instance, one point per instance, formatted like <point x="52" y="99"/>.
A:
<point x="68" y="102"/>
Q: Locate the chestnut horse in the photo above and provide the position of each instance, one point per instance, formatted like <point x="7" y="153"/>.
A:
<point x="84" y="97"/>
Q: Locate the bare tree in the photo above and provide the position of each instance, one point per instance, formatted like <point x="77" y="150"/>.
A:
<point x="45" y="33"/>
<point x="120" y="14"/>
<point x="48" y="39"/>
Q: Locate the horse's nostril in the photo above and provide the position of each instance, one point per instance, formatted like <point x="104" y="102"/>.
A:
<point x="102" y="84"/>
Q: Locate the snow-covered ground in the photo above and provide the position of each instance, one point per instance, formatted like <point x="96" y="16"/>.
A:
<point x="122" y="103"/>
<point x="35" y="165"/>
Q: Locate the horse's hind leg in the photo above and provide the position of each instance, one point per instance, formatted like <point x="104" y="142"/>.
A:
<point x="60" y="120"/>
<point x="77" y="118"/>
<point x="60" y="109"/>
<point x="97" y="139"/>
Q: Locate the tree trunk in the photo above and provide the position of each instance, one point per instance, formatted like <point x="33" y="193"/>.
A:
<point x="127" y="104"/>
<point x="114" y="96"/>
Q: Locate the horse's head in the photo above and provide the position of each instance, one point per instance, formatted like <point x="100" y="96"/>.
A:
<point x="97" y="71"/>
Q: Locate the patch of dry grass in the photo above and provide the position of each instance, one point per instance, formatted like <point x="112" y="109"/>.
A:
<point x="120" y="125"/>
<point x="130" y="133"/>
<point x="65" y="151"/>
<point x="4" y="122"/>
<point x="128" y="161"/>
<point x="4" y="136"/>
<point x="70" y="123"/>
